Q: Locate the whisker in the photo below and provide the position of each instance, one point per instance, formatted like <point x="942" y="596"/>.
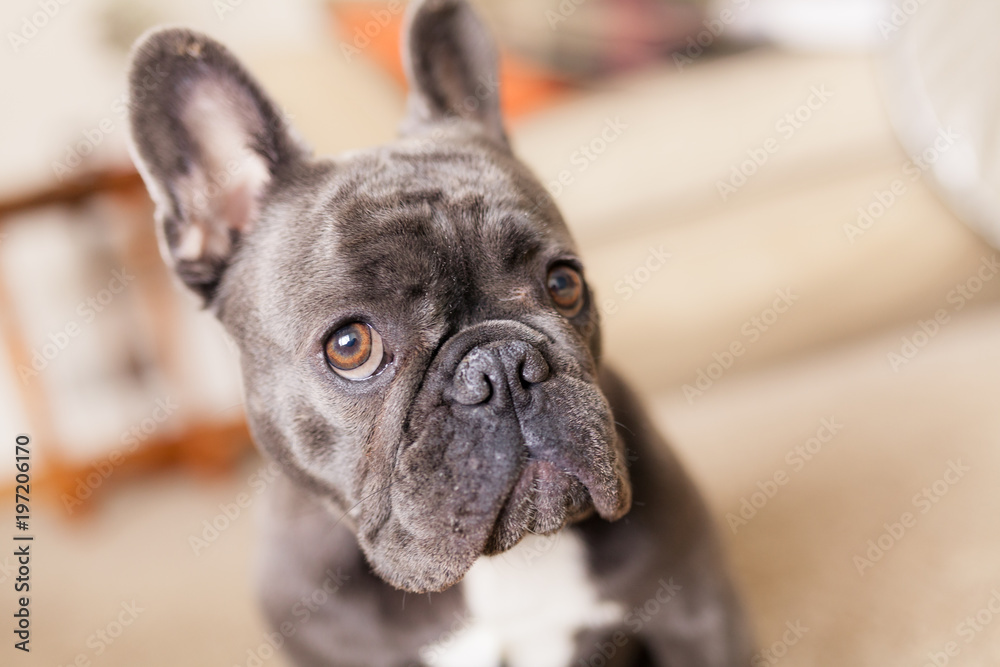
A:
<point x="363" y="499"/>
<point x="631" y="432"/>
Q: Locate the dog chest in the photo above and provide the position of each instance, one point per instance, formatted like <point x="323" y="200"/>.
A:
<point x="525" y="607"/>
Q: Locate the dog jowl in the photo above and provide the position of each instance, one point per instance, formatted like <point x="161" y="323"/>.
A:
<point x="419" y="346"/>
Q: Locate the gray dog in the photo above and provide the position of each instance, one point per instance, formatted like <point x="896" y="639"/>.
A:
<point x="420" y="355"/>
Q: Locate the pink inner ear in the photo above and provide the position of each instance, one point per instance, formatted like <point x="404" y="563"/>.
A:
<point x="240" y="206"/>
<point x="221" y="193"/>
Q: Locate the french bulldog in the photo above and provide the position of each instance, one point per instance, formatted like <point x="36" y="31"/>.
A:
<point x="463" y="483"/>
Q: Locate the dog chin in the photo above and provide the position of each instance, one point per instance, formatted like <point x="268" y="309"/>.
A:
<point x="474" y="483"/>
<point x="542" y="501"/>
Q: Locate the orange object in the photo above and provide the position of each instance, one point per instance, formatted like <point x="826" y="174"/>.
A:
<point x="372" y="29"/>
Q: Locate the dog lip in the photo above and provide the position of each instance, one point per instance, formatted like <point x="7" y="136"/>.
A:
<point x="543" y="500"/>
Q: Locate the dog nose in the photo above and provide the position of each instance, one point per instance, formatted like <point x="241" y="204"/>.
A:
<point x="498" y="370"/>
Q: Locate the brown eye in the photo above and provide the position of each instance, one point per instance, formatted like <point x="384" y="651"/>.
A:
<point x="566" y="288"/>
<point x="354" y="351"/>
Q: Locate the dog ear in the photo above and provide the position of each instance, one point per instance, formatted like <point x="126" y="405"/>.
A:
<point x="452" y="67"/>
<point x="207" y="141"/>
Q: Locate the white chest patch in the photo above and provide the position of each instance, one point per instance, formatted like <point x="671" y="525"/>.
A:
<point x="525" y="607"/>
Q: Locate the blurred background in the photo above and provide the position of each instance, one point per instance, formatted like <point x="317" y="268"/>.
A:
<point x="786" y="208"/>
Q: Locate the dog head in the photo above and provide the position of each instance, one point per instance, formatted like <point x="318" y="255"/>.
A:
<point x="418" y="343"/>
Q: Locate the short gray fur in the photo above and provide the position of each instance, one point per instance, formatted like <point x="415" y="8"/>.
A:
<point x="441" y="241"/>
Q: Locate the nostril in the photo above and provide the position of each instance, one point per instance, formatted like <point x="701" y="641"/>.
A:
<point x="532" y="368"/>
<point x="503" y="369"/>
<point x="471" y="385"/>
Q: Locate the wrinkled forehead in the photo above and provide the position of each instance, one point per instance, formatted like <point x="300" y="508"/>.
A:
<point x="449" y="201"/>
<point x="420" y="230"/>
<point x="453" y="173"/>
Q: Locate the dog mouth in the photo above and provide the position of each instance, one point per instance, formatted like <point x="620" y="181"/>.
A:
<point x="471" y="486"/>
<point x="507" y="435"/>
<point x="543" y="500"/>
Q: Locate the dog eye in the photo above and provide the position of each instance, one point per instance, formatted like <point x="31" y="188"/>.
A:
<point x="566" y="288"/>
<point x="354" y="351"/>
